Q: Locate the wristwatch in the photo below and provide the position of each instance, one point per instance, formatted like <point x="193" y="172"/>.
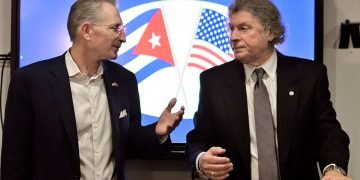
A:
<point x="334" y="167"/>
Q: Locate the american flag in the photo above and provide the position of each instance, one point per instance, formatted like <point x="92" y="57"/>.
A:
<point x="211" y="45"/>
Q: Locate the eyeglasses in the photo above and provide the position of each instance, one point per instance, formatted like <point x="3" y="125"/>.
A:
<point x="117" y="29"/>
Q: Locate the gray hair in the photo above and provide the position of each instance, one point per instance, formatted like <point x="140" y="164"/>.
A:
<point x="266" y="12"/>
<point x="85" y="10"/>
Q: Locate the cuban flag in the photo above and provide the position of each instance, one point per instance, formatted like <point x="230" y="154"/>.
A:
<point x="211" y="45"/>
<point x="152" y="51"/>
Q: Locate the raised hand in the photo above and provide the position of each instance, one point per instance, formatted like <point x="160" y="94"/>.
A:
<point x="169" y="121"/>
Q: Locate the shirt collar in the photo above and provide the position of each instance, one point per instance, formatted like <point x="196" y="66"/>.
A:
<point x="269" y="66"/>
<point x="73" y="69"/>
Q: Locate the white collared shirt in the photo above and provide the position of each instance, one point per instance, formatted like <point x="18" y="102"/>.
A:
<point x="270" y="82"/>
<point x="93" y="122"/>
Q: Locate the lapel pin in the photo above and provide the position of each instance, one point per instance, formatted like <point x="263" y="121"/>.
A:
<point x="114" y="84"/>
<point x="123" y="113"/>
<point x="291" y="93"/>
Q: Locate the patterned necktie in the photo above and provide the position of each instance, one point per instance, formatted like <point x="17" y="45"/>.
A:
<point x="265" y="135"/>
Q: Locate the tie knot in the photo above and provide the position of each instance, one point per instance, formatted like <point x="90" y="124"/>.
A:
<point x="259" y="73"/>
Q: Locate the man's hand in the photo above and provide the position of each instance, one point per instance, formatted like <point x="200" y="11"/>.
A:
<point x="334" y="175"/>
<point x="169" y="121"/>
<point x="213" y="166"/>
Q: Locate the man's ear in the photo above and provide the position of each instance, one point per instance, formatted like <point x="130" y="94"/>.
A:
<point x="85" y="30"/>
<point x="271" y="36"/>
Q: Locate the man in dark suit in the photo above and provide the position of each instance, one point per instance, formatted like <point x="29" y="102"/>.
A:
<point x="77" y="115"/>
<point x="227" y="142"/>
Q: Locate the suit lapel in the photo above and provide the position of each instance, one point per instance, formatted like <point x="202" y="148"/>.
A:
<point x="236" y="106"/>
<point x="60" y="86"/>
<point x="288" y="94"/>
<point x="114" y="92"/>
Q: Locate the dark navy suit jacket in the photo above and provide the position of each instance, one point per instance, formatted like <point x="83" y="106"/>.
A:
<point x="40" y="137"/>
<point x="308" y="131"/>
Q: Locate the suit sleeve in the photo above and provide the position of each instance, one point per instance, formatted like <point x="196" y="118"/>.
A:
<point x="332" y="141"/>
<point x="16" y="160"/>
<point x="143" y="140"/>
<point x="201" y="137"/>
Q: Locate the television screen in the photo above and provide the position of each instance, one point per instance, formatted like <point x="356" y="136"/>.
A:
<point x="169" y="43"/>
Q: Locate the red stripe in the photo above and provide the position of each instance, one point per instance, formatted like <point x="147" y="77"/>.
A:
<point x="197" y="66"/>
<point x="210" y="52"/>
<point x="231" y="55"/>
<point x="203" y="58"/>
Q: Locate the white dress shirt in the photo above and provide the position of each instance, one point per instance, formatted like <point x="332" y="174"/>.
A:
<point x="92" y="122"/>
<point x="270" y="82"/>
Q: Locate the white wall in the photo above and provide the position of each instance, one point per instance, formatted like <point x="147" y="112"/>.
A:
<point x="344" y="73"/>
<point x="343" y="69"/>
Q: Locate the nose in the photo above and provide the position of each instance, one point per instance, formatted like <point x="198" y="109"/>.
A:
<point x="121" y="37"/>
<point x="234" y="37"/>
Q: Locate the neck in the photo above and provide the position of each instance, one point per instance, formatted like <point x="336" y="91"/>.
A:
<point x="87" y="63"/>
<point x="263" y="57"/>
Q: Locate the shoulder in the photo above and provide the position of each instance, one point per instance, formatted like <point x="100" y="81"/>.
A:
<point x="41" y="67"/>
<point x="301" y="65"/>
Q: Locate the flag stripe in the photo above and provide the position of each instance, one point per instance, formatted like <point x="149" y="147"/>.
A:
<point x="150" y="68"/>
<point x="197" y="66"/>
<point x="126" y="57"/>
<point x="198" y="56"/>
<point x="210" y="52"/>
<point x="139" y="21"/>
<point x="138" y="63"/>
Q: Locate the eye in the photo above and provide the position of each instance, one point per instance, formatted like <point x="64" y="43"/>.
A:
<point x="244" y="28"/>
<point x="115" y="29"/>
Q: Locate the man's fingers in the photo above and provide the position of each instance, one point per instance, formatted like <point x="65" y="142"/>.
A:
<point x="216" y="151"/>
<point x="219" y="167"/>
<point x="219" y="174"/>
<point x="171" y="104"/>
<point x="211" y="163"/>
<point x="180" y="113"/>
<point x="218" y="171"/>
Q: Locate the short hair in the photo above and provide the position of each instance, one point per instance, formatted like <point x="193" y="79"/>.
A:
<point x="266" y="12"/>
<point x="85" y="10"/>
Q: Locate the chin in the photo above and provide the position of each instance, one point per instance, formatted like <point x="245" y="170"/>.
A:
<point x="243" y="59"/>
<point x="112" y="56"/>
<point x="240" y="56"/>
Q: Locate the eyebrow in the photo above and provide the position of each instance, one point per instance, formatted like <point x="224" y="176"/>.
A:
<point x="116" y="24"/>
<point x="239" y="25"/>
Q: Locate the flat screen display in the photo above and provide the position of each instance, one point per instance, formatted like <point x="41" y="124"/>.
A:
<point x="169" y="43"/>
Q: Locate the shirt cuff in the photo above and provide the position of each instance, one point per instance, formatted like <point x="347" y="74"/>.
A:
<point x="197" y="165"/>
<point x="332" y="164"/>
<point x="334" y="167"/>
<point x="162" y="139"/>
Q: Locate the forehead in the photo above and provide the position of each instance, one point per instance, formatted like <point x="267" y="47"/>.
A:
<point x="243" y="17"/>
<point x="110" y="14"/>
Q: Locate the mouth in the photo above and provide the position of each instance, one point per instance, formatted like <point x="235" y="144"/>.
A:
<point x="116" y="47"/>
<point x="238" y="48"/>
<point x="116" y="44"/>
